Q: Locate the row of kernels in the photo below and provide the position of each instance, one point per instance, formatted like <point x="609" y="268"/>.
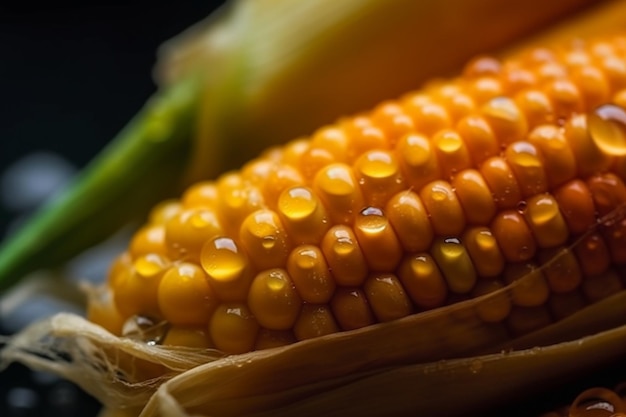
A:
<point x="382" y="291"/>
<point x="266" y="245"/>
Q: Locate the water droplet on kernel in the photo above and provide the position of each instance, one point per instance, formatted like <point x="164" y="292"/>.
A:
<point x="607" y="126"/>
<point x="521" y="206"/>
<point x="268" y="242"/>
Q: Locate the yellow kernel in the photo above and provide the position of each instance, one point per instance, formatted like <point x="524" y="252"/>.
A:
<point x="561" y="270"/>
<point x="536" y="107"/>
<point x="233" y="328"/>
<point x="506" y="119"/>
<point x="264" y="239"/>
<point x="428" y="117"/>
<point x="135" y="291"/>
<point x="528" y="284"/>
<point x="333" y="140"/>
<point x="550" y="142"/>
<point x="452" y="154"/>
<point x="475" y="197"/>
<point x="409" y="219"/>
<point x="576" y="205"/>
<point x="502" y="183"/>
<point x="202" y="194"/>
<point x="315" y="320"/>
<point x="101" y="310"/>
<point x="550" y="71"/>
<point x="185" y="296"/>
<point x="514" y="236"/>
<point x="515" y="79"/>
<point x="485" y="88"/>
<point x="188" y="336"/>
<point x="303" y="215"/>
<point x="482" y="66"/>
<point x="484" y="251"/>
<point x="614" y="69"/>
<point x="118" y="268"/>
<point x="422" y="280"/>
<point x="379" y="176"/>
<point x="377" y="240"/>
<point x="186" y="232"/>
<point x="148" y="239"/>
<point x="593" y="255"/>
<point x="495" y="306"/>
<point x="387" y="297"/>
<point x="589" y="158"/>
<point x="293" y="151"/>
<point x="164" y="211"/>
<point x="592" y="84"/>
<point x="237" y="199"/>
<point x="458" y="104"/>
<point x="392" y="120"/>
<point x="339" y="191"/>
<point x="274" y="300"/>
<point x="344" y="256"/>
<point x="443" y="206"/>
<point x="363" y="136"/>
<point x="313" y="160"/>
<point x="525" y="163"/>
<point x="310" y="274"/>
<point x="417" y="160"/>
<point x="545" y="221"/>
<point x="565" y="97"/>
<point x="478" y="137"/>
<point x="227" y="268"/>
<point x="455" y="264"/>
<point x="607" y="191"/>
<point x="537" y="56"/>
<point x="257" y="171"/>
<point x="351" y="309"/>
<point x="279" y="179"/>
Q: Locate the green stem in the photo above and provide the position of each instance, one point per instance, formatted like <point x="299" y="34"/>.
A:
<point x="144" y="164"/>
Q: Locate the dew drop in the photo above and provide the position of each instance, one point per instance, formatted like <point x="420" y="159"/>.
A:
<point x="268" y="242"/>
<point x="521" y="206"/>
<point x="607" y="126"/>
<point x="598" y="402"/>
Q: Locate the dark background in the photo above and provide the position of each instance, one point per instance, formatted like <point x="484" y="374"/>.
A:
<point x="71" y="76"/>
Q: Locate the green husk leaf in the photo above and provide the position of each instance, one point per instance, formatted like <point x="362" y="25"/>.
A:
<point x="120" y="185"/>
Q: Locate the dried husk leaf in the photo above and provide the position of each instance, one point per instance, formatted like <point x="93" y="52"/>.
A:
<point x="374" y="371"/>
<point x="442" y="388"/>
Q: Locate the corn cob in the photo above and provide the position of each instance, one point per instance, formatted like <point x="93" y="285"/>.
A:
<point x="259" y="60"/>
<point x="446" y="194"/>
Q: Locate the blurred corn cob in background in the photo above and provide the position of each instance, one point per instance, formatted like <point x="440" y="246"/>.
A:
<point x="227" y="92"/>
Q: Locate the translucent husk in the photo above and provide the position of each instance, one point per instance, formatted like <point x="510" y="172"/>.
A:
<point x="447" y="355"/>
